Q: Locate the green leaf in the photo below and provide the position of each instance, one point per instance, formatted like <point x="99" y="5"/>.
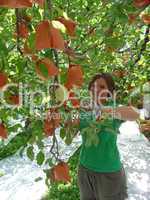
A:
<point x="2" y="174"/>
<point x="114" y="42"/>
<point x="30" y="153"/>
<point x="62" y="133"/>
<point x="3" y="47"/>
<point x="43" y="70"/>
<point x="40" y="144"/>
<point x="37" y="128"/>
<point x="40" y="158"/>
<point x="21" y="151"/>
<point x="49" y="162"/>
<point x="68" y="139"/>
<point x="38" y="179"/>
<point x="31" y="41"/>
<point x="14" y="128"/>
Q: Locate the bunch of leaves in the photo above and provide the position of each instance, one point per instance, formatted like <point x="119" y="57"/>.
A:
<point x="96" y="127"/>
<point x="111" y="36"/>
<point x="68" y="133"/>
<point x="66" y="191"/>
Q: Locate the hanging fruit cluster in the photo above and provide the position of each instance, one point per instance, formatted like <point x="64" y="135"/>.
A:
<point x="41" y="42"/>
<point x="3" y="131"/>
<point x="48" y="35"/>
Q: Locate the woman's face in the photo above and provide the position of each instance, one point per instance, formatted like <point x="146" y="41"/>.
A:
<point x="99" y="91"/>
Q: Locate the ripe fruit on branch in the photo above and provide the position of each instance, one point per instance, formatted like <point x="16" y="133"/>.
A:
<point x="74" y="76"/>
<point x="23" y="31"/>
<point x="48" y="128"/>
<point x="52" y="121"/>
<point x="141" y="3"/>
<point x="69" y="24"/>
<point x="48" y="37"/>
<point x="146" y="18"/>
<point x="132" y="18"/>
<point x="16" y="3"/>
<point x="3" y="79"/>
<point x="45" y="68"/>
<point x="14" y="99"/>
<point x="73" y="99"/>
<point x="60" y="172"/>
<point x="55" y="116"/>
<point x="3" y="131"/>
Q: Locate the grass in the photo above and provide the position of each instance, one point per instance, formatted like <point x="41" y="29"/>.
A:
<point x="70" y="191"/>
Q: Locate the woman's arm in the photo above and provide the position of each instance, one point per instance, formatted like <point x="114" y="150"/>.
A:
<point x="123" y="112"/>
<point x="127" y="113"/>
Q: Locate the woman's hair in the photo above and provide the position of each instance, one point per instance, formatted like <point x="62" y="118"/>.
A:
<point x="107" y="77"/>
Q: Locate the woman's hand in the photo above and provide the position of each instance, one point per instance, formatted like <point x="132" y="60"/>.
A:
<point x="128" y="113"/>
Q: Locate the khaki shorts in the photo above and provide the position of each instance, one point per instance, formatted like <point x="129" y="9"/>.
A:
<point x="102" y="186"/>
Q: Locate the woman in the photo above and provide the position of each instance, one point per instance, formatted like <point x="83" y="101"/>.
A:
<point x="101" y="175"/>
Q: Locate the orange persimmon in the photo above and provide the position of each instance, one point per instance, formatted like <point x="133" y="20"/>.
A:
<point x="48" y="37"/>
<point x="132" y="18"/>
<point x="3" y="131"/>
<point x="48" y="128"/>
<point x="75" y="75"/>
<point x="43" y="35"/>
<point x="69" y="24"/>
<point x="54" y="116"/>
<point x="60" y="172"/>
<point x="16" y="3"/>
<point x="141" y="3"/>
<point x="14" y="99"/>
<point x="52" y="121"/>
<point x="74" y="100"/>
<point x="23" y="31"/>
<point x="49" y="66"/>
<point x="146" y="18"/>
<point x="3" y="79"/>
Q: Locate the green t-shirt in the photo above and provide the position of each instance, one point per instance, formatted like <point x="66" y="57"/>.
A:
<point x="105" y="156"/>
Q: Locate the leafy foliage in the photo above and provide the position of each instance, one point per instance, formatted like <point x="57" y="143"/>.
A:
<point x="45" y="42"/>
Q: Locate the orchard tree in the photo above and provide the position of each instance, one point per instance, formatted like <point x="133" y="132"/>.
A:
<point x="48" y="52"/>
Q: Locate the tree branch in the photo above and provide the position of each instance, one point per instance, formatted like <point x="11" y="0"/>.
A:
<point x="143" y="47"/>
<point x="18" y="19"/>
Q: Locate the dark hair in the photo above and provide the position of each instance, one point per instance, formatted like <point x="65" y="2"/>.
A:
<point x="107" y="77"/>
